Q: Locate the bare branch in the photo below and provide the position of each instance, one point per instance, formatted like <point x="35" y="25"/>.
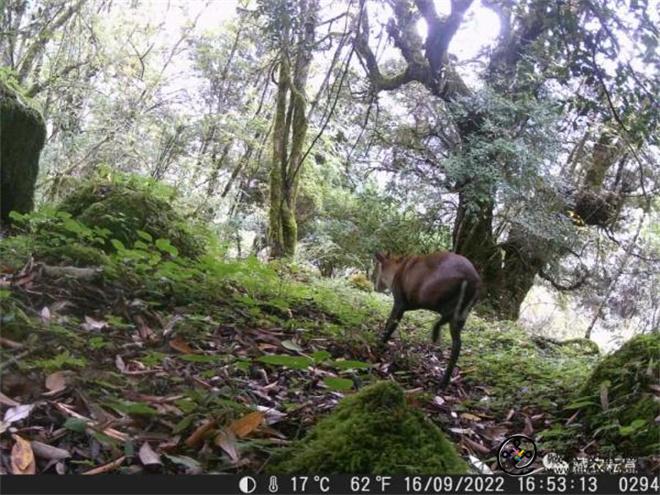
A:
<point x="564" y="288"/>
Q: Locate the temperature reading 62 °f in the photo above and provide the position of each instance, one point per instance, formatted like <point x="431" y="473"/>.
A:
<point x="365" y="484"/>
<point x="302" y="484"/>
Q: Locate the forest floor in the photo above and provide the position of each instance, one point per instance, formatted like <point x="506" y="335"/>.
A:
<point x="218" y="364"/>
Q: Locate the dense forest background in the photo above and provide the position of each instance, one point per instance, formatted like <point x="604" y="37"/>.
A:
<point x="524" y="136"/>
<point x="193" y="193"/>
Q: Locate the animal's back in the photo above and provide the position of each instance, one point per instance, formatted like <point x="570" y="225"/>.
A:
<point x="434" y="281"/>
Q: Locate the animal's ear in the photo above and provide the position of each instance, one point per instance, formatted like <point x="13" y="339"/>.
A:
<point x="380" y="256"/>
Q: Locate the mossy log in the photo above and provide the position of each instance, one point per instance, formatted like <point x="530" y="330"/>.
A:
<point x="22" y="136"/>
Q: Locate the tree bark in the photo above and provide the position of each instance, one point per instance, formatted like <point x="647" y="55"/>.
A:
<point x="289" y="133"/>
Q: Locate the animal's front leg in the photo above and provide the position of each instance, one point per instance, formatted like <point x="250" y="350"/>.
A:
<point x="392" y="322"/>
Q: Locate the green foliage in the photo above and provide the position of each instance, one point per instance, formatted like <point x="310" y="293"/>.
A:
<point x="340" y="384"/>
<point x="491" y="349"/>
<point x="352" y="227"/>
<point x="372" y="432"/>
<point x="296" y="362"/>
<point x="61" y="361"/>
<point x="625" y="378"/>
<point x="132" y="209"/>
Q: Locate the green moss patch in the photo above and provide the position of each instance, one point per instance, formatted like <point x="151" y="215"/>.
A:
<point x="373" y="431"/>
<point x="618" y="401"/>
<point x="126" y="207"/>
<point x="22" y="136"/>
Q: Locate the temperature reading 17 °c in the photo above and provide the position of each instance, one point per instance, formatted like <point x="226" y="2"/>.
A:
<point x="312" y="484"/>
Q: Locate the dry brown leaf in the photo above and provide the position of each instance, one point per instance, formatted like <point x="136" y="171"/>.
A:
<point x="145" y="331"/>
<point x="178" y="344"/>
<point x="198" y="435"/>
<point x="247" y="424"/>
<point x="8" y="401"/>
<point x="470" y="417"/>
<point x="49" y="452"/>
<point x="226" y="440"/>
<point x="17" y="413"/>
<point x="170" y="445"/>
<point x="92" y="325"/>
<point x="22" y="457"/>
<point x="147" y="455"/>
<point x="169" y="327"/>
<point x="5" y="342"/>
<point x="482" y="449"/>
<point x="56" y="382"/>
<point x="111" y="432"/>
<point x="119" y="363"/>
<point x="110" y="466"/>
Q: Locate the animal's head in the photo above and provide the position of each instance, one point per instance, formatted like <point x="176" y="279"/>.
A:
<point x="386" y="267"/>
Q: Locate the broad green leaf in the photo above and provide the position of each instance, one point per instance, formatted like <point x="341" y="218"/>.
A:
<point x="138" y="408"/>
<point x="145" y="235"/>
<point x="199" y="358"/>
<point x="75" y="424"/>
<point x="117" y="244"/>
<point x="73" y="226"/>
<point x="183" y="424"/>
<point x="346" y="365"/>
<point x="296" y="362"/>
<point x="184" y="460"/>
<point x="579" y="404"/>
<point x="338" y="383"/>
<point x="165" y="246"/>
<point x="140" y="245"/>
<point x="320" y="356"/>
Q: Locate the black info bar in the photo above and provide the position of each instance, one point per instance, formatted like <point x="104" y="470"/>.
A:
<point x="321" y="484"/>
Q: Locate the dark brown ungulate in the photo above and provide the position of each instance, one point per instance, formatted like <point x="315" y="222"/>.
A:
<point x="445" y="283"/>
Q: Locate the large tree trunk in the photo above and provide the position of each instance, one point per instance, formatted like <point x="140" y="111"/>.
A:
<point x="289" y="134"/>
<point x="278" y="165"/>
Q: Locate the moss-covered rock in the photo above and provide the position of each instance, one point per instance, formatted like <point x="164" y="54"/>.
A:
<point x="624" y="379"/>
<point x="22" y="136"/>
<point x="373" y="431"/>
<point x="126" y="207"/>
<point x="360" y="281"/>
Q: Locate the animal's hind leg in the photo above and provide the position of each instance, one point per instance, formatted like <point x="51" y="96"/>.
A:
<point x="455" y="327"/>
<point x="438" y="326"/>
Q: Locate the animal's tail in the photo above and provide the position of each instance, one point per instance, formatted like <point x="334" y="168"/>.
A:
<point x="461" y="310"/>
<point x="458" y="311"/>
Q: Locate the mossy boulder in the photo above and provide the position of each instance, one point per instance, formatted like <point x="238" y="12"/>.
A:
<point x="627" y="381"/>
<point x="372" y="432"/>
<point x="360" y="281"/>
<point x="22" y="136"/>
<point x="124" y="208"/>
